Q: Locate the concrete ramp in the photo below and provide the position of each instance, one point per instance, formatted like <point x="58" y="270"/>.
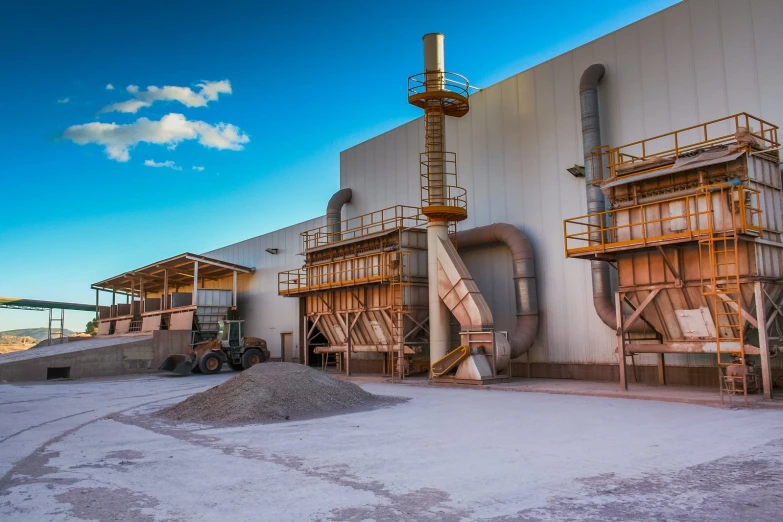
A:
<point x="95" y="357"/>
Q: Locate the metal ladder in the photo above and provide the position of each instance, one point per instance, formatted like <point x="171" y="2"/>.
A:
<point x="722" y="288"/>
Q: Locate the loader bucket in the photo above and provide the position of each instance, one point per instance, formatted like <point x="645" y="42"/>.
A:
<point x="181" y="364"/>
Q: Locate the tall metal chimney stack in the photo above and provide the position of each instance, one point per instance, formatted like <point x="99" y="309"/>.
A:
<point x="440" y="94"/>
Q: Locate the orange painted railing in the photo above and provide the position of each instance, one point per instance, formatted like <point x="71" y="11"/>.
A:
<point x="379" y="221"/>
<point x="612" y="232"/>
<point x="674" y="144"/>
<point x="383" y="267"/>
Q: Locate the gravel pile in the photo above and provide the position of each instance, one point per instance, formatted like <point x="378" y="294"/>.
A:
<point x="272" y="392"/>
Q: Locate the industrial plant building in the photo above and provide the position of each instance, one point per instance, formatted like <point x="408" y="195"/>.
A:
<point x="493" y="237"/>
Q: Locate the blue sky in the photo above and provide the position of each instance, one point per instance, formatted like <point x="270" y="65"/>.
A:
<point x="259" y="97"/>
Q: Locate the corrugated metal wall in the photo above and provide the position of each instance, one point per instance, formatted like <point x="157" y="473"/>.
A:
<point x="696" y="61"/>
<point x="267" y="315"/>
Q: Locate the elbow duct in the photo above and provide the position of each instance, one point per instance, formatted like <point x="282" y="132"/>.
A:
<point x="334" y="212"/>
<point x="591" y="138"/>
<point x="524" y="275"/>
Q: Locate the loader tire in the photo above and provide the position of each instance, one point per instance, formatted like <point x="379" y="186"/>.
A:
<point x="237" y="367"/>
<point x="210" y="363"/>
<point x="251" y="357"/>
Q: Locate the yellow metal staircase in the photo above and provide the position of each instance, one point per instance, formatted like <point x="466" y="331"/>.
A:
<point x="721" y="286"/>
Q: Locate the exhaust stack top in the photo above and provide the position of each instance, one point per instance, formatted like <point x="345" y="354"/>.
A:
<point x="440" y="94"/>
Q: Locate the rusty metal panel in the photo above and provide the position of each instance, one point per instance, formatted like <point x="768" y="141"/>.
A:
<point x="122" y="326"/>
<point x="181" y="321"/>
<point x="104" y="328"/>
<point x="150" y="323"/>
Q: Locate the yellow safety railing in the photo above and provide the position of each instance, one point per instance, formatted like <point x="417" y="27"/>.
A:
<point x="383" y="267"/>
<point x="438" y="81"/>
<point x="674" y="144"/>
<point x="639" y="225"/>
<point x="439" y="187"/>
<point x="379" y="221"/>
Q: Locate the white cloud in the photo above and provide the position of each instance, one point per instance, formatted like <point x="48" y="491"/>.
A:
<point x="129" y="106"/>
<point x="208" y="91"/>
<point x="109" y="87"/>
<point x="168" y="164"/>
<point x="198" y="168"/>
<point x="64" y="100"/>
<point x="170" y="130"/>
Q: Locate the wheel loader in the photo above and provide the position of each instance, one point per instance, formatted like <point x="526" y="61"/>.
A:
<point x="229" y="347"/>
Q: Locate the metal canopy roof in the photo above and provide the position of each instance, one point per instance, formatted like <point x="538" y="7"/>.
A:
<point x="677" y="167"/>
<point x="180" y="270"/>
<point x="34" y="304"/>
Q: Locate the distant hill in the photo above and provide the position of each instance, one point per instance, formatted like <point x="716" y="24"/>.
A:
<point x="36" y="333"/>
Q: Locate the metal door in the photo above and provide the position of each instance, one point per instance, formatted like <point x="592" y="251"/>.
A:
<point x="287" y="347"/>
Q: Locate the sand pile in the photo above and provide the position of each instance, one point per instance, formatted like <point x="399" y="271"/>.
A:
<point x="272" y="392"/>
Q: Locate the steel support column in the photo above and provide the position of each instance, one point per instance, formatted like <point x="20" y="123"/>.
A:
<point x="164" y="304"/>
<point x="621" y="340"/>
<point x="195" y="283"/>
<point x="350" y="344"/>
<point x="661" y="370"/>
<point x="761" y="318"/>
<point x="234" y="292"/>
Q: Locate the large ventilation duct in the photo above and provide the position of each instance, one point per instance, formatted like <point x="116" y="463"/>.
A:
<point x="334" y="213"/>
<point x="524" y="274"/>
<point x="591" y="138"/>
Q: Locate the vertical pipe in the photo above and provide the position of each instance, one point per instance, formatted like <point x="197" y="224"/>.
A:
<point x="334" y="214"/>
<point x="142" y="297"/>
<point x="195" y="282"/>
<point x="434" y="118"/>
<point x="591" y="138"/>
<point x="761" y="318"/>
<point x="50" y="327"/>
<point x="97" y="307"/>
<point x="439" y="312"/>
<point x="434" y="127"/>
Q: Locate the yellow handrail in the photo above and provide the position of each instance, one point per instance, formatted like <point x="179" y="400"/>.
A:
<point x="369" y="268"/>
<point x="676" y="143"/>
<point x="384" y="220"/>
<point x="601" y="237"/>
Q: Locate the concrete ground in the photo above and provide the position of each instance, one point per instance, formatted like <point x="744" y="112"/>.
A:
<point x="87" y="450"/>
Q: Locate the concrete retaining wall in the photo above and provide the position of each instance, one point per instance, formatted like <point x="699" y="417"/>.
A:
<point x="94" y="358"/>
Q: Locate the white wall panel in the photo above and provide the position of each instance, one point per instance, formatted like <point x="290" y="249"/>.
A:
<point x="696" y="61"/>
<point x="266" y="314"/>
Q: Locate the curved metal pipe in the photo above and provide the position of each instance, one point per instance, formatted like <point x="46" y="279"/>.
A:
<point x="521" y="339"/>
<point x="334" y="212"/>
<point x="591" y="138"/>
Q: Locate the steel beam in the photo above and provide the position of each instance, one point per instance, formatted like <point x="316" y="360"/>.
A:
<point x="638" y="312"/>
<point x="766" y="363"/>
<point x="621" y="340"/>
<point x="195" y="282"/>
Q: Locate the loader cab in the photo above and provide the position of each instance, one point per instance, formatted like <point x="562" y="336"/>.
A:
<point x="230" y="333"/>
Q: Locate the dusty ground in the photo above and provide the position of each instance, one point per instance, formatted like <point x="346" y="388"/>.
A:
<point x="10" y="343"/>
<point x="86" y="450"/>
